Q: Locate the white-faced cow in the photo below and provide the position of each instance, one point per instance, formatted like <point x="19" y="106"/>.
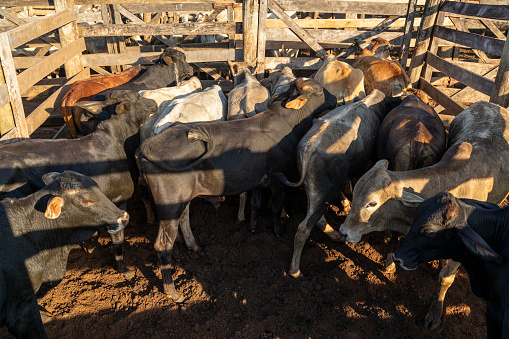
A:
<point x="107" y="156"/>
<point x="37" y="233"/>
<point x="225" y="158"/>
<point x="340" y="146"/>
<point x="471" y="232"/>
<point x="474" y="166"/>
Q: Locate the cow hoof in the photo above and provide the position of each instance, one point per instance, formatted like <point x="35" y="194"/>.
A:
<point x="46" y="317"/>
<point x="297" y="274"/>
<point x="433" y="318"/>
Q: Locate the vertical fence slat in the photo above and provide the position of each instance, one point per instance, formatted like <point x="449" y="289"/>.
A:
<point x="500" y="95"/>
<point x="262" y="38"/>
<point x="68" y="34"/>
<point x="250" y="30"/>
<point x="11" y="81"/>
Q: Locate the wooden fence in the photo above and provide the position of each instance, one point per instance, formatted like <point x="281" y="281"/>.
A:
<point x="249" y="35"/>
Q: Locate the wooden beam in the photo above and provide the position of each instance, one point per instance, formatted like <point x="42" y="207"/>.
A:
<point x="44" y="110"/>
<point x="476" y="81"/>
<point x="262" y="39"/>
<point x="69" y="34"/>
<point x="423" y="40"/>
<point x="468" y="91"/>
<point x="32" y="75"/>
<point x="206" y="67"/>
<point x="340" y="6"/>
<point x="461" y="27"/>
<point x="407" y="32"/>
<point x="166" y="29"/>
<point x="500" y="94"/>
<point x="433" y="48"/>
<point x="210" y="18"/>
<point x="476" y="41"/>
<point x="6" y="116"/>
<point x="13" y="89"/>
<point x="250" y="30"/>
<point x="500" y="12"/>
<point x="301" y="33"/>
<point x="450" y="105"/>
<point x="30" y="31"/>
<point x="493" y="28"/>
<point x="140" y="7"/>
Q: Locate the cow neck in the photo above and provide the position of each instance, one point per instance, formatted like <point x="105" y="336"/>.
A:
<point x="492" y="226"/>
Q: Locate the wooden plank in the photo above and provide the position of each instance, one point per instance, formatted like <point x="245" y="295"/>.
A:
<point x="43" y="111"/>
<point x="166" y="7"/>
<point x="117" y="19"/>
<point x="22" y="34"/>
<point x="250" y="30"/>
<point x="500" y="94"/>
<point x="166" y="29"/>
<point x="112" y="2"/>
<point x="423" y="40"/>
<point x="13" y="89"/>
<point x="407" y="33"/>
<point x="450" y="105"/>
<point x="476" y="41"/>
<point x="493" y="28"/>
<point x="4" y="95"/>
<point x="206" y="67"/>
<point x="433" y="48"/>
<point x="461" y="27"/>
<point x="210" y="18"/>
<point x="301" y="33"/>
<point x="212" y="54"/>
<point x="339" y="6"/>
<point x="110" y="40"/>
<point x="69" y="34"/>
<point x="469" y="91"/>
<point x="6" y="117"/>
<point x="35" y="73"/>
<point x="100" y="70"/>
<point x="262" y="39"/>
<point x="500" y="12"/>
<point x="476" y="81"/>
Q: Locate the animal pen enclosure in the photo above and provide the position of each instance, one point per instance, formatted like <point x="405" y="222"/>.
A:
<point x="249" y="35"/>
<point x="438" y="43"/>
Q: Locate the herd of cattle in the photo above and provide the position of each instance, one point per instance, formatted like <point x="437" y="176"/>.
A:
<point x="153" y="128"/>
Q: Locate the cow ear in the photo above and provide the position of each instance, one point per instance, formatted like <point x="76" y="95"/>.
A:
<point x="168" y="60"/>
<point x="450" y="212"/>
<point x="410" y="199"/>
<point x="477" y="245"/>
<point x="48" y="178"/>
<point x="54" y="208"/>
<point x="94" y="107"/>
<point x="296" y="103"/>
<point x="384" y="164"/>
<point x="122" y="107"/>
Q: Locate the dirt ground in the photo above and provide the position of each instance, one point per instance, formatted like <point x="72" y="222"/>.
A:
<point x="238" y="286"/>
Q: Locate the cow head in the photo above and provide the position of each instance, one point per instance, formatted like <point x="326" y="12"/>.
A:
<point x="303" y="90"/>
<point x="238" y="69"/>
<point x="175" y="57"/>
<point x="441" y="231"/>
<point x="77" y="199"/>
<point x="377" y="201"/>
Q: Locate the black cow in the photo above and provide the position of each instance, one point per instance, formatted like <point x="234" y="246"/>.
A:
<point x="170" y="68"/>
<point x="36" y="235"/>
<point x="474" y="233"/>
<point x="225" y="158"/>
<point x="107" y="156"/>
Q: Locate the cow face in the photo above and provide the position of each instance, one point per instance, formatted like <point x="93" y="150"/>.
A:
<point x="176" y="57"/>
<point x="77" y="199"/>
<point x="303" y="90"/>
<point x="441" y="231"/>
<point x="378" y="201"/>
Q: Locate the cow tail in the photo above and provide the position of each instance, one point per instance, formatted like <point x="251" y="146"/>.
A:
<point x="310" y="148"/>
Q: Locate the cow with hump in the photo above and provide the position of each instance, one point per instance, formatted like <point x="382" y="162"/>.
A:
<point x="340" y="146"/>
<point x="471" y="232"/>
<point x="213" y="159"/>
<point x="107" y="156"/>
<point x="474" y="167"/>
<point x="37" y="233"/>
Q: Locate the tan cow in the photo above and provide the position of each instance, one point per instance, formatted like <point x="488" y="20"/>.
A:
<point x="474" y="166"/>
<point x="341" y="80"/>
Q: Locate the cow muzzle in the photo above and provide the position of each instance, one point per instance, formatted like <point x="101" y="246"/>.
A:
<point x="121" y="224"/>
<point x="400" y="263"/>
<point x="348" y="235"/>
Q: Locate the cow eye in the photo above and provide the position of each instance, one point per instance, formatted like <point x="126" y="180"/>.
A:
<point x="371" y="204"/>
<point x="87" y="203"/>
<point x="427" y="233"/>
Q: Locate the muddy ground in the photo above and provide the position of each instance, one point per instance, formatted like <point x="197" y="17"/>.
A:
<point x="238" y="286"/>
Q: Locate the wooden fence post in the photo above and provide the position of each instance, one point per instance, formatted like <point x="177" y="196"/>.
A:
<point x="250" y="30"/>
<point x="423" y="37"/>
<point x="500" y="95"/>
<point x="6" y="116"/>
<point x="69" y="34"/>
<point x="407" y="33"/>
<point x="262" y="38"/>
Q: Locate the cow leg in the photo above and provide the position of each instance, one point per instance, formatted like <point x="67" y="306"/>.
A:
<point x="241" y="216"/>
<point x="328" y="229"/>
<point x="256" y="202"/>
<point x="302" y="235"/>
<point x="277" y="197"/>
<point x="144" y="192"/>
<point x="447" y="275"/>
<point x="185" y="228"/>
<point x="117" y="240"/>
<point x="28" y="323"/>
<point x="164" y="246"/>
